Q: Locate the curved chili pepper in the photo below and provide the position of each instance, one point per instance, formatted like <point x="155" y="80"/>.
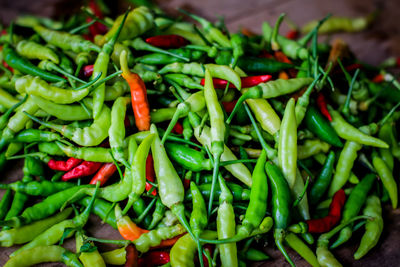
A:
<point x="140" y="104"/>
<point x="60" y="165"/>
<point x="323" y="180"/>
<point x="190" y="158"/>
<point x="86" y="168"/>
<point x="33" y="50"/>
<point x="5" y="203"/>
<point x="353" y="206"/>
<point x="322" y="105"/>
<point x="104" y="173"/>
<point x="317" y="124"/>
<point x="373" y="228"/>
<point x="298" y="245"/>
<point x="386" y="176"/>
<point x="88" y="258"/>
<point x="26" y="67"/>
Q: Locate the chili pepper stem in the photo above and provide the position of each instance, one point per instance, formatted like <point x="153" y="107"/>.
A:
<point x="281" y="248"/>
<point x="179" y="211"/>
<point x="217" y="158"/>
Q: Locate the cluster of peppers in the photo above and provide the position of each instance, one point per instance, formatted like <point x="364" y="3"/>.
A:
<point x="219" y="122"/>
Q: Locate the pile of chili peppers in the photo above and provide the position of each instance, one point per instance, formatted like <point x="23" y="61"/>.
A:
<point x="198" y="145"/>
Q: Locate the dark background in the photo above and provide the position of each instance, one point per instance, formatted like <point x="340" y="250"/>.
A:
<point x="372" y="46"/>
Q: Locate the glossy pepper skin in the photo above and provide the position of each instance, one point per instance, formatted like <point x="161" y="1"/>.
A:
<point x="373" y="228"/>
<point x="281" y="204"/>
<point x="17" y="62"/>
<point x="190" y="158"/>
<point x="317" y="124"/>
<point x="353" y="206"/>
<point x="323" y="180"/>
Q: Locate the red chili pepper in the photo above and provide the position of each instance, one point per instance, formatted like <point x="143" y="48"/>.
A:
<point x="378" y="78"/>
<point x="281" y="57"/>
<point x="353" y="67"/>
<point x="186" y="183"/>
<point x="155" y="258"/>
<point x="292" y="34"/>
<point x="131" y="256"/>
<point x="265" y="54"/>
<point x="96" y="28"/>
<point x="246" y="81"/>
<point x="86" y="168"/>
<point x="228" y="106"/>
<point x="326" y="223"/>
<point x="398" y="62"/>
<point x="167" y="41"/>
<point x="8" y="67"/>
<point x="150" y="174"/>
<point x="88" y="70"/>
<point x="209" y="248"/>
<point x="60" y="165"/>
<point x="104" y="173"/>
<point x="321" y="103"/>
<point x="178" y="128"/>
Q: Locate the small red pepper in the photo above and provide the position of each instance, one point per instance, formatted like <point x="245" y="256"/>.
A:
<point x="104" y="173"/>
<point x="353" y="67"/>
<point x="378" y="78"/>
<point x="398" y="62"/>
<point x="86" y="168"/>
<point x="131" y="256"/>
<point x="8" y="67"/>
<point x="155" y="258"/>
<point x="150" y="174"/>
<point x="229" y="106"/>
<point x="88" y="70"/>
<point x="96" y="28"/>
<point x="326" y="223"/>
<point x="178" y="128"/>
<point x="167" y="41"/>
<point x="265" y="54"/>
<point x="281" y="57"/>
<point x="292" y="34"/>
<point x="246" y="81"/>
<point x="321" y="103"/>
<point x="60" y="165"/>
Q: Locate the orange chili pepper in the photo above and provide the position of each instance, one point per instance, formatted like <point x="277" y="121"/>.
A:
<point x="168" y="243"/>
<point x="128" y="229"/>
<point x="283" y="75"/>
<point x="140" y="104"/>
<point x="105" y="172"/>
<point x="281" y="57"/>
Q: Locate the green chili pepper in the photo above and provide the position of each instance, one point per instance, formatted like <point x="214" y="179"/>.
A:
<point x="183" y="80"/>
<point x="287" y="151"/>
<point x="289" y="47"/>
<point x="311" y="147"/>
<point x="338" y="24"/>
<point x="344" y="165"/>
<point x="41" y="254"/>
<point x="198" y="217"/>
<point x="34" y="135"/>
<point x="373" y="228"/>
<point x="163" y="59"/>
<point x="318" y="125"/>
<point x="88" y="258"/>
<point x="271" y="89"/>
<point x="190" y="158"/>
<point x="353" y="206"/>
<point x="323" y="180"/>
<point x="117" y="129"/>
<point x="28" y="232"/>
<point x="53" y="234"/>
<point x="66" y="41"/>
<point x="5" y="203"/>
<point x="92" y="135"/>
<point x="385" y="134"/>
<point x="118" y="48"/>
<point x="349" y="132"/>
<point x="41" y="210"/>
<point x="158" y="214"/>
<point x="303" y="101"/>
<point x="15" y="61"/>
<point x="62" y="112"/>
<point x="50" y="149"/>
<point x="102" y="209"/>
<point x="386" y="176"/>
<point x="281" y="202"/>
<point x="297" y="244"/>
<point x="6" y="99"/>
<point x="35" y="188"/>
<point x="100" y="68"/>
<point x="138" y="21"/>
<point x="33" y="50"/>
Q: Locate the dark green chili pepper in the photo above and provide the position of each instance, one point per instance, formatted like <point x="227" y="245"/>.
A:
<point x="281" y="205"/>
<point x="34" y="135"/>
<point x="157" y="215"/>
<point x="198" y="217"/>
<point x="101" y="208"/>
<point x="163" y="59"/>
<point x="189" y="158"/>
<point x="5" y="203"/>
<point x="12" y="58"/>
<point x="353" y="206"/>
<point x="323" y="180"/>
<point x="318" y="125"/>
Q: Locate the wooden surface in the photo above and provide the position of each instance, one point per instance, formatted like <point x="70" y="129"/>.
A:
<point x="371" y="46"/>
